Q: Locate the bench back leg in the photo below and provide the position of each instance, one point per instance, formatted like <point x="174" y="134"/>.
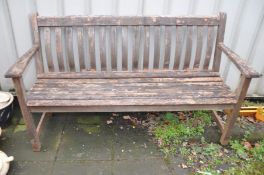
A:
<point x="27" y="116"/>
<point x="241" y="92"/>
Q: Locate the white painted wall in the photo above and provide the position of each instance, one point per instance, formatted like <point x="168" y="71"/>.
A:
<point x="244" y="30"/>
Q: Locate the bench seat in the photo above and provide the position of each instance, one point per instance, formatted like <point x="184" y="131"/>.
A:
<point x="136" y="93"/>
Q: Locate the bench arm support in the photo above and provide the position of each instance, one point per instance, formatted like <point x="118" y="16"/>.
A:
<point x="19" y="67"/>
<point x="239" y="62"/>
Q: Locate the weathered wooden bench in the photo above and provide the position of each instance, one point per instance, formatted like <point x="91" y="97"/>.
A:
<point x="116" y="64"/>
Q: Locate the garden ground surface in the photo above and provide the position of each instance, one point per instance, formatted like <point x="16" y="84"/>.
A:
<point x="96" y="143"/>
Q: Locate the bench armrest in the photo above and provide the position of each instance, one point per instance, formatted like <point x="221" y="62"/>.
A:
<point x="17" y="69"/>
<point x="239" y="63"/>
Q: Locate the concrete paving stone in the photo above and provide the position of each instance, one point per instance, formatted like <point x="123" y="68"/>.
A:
<point x="83" y="168"/>
<point x="154" y="166"/>
<point x="30" y="168"/>
<point x="134" y="143"/>
<point x="18" y="144"/>
<point x="86" y="142"/>
<point x="91" y="118"/>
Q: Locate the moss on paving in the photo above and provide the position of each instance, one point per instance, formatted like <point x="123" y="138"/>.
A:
<point x="20" y="128"/>
<point x="90" y="129"/>
<point x="89" y="120"/>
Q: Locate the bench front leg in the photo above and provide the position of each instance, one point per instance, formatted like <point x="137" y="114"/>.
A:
<point x="241" y="92"/>
<point x="27" y="116"/>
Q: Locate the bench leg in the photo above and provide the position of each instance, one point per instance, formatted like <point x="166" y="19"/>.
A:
<point x="27" y="116"/>
<point x="241" y="92"/>
<point x="229" y="125"/>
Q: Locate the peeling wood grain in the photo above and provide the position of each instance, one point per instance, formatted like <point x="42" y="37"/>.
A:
<point x="126" y="20"/>
<point x="239" y="62"/>
<point x="17" y="69"/>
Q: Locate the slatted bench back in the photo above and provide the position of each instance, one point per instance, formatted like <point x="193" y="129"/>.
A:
<point x="108" y="43"/>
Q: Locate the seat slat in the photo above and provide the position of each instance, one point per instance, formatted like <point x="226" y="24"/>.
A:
<point x="215" y="86"/>
<point x="126" y="74"/>
<point x="133" y="91"/>
<point x="135" y="80"/>
<point x="133" y="95"/>
<point x="129" y="102"/>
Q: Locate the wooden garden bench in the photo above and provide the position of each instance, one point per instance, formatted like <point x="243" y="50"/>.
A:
<point x="118" y="64"/>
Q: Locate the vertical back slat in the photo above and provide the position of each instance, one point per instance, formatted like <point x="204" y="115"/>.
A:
<point x="69" y="45"/>
<point x="162" y="47"/>
<point x="214" y="47"/>
<point x="204" y="49"/>
<point x="119" y="48"/>
<point x="151" y="48"/>
<point x="108" y="49"/>
<point x="173" y="47"/>
<point x="183" y="48"/>
<point x="136" y="45"/>
<point x="130" y="46"/>
<point x="86" y="49"/>
<point x="188" y="50"/>
<point x="97" y="49"/>
<point x="124" y="47"/>
<point x="141" y="48"/>
<point x="210" y="40"/>
<point x="179" y="45"/>
<point x="167" y="47"/>
<point x="102" y="47"/>
<point x="36" y="37"/>
<point x="48" y="49"/>
<point x="220" y="38"/>
<point x="146" y="47"/>
<point x="157" y="46"/>
<point x="199" y="46"/>
<point x="91" y="43"/>
<point x="58" y="36"/>
<point x="113" y="43"/>
<point x="80" y="47"/>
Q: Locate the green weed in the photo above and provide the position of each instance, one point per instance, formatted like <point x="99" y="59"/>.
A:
<point x="172" y="131"/>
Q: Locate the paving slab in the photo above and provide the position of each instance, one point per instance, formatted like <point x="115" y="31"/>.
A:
<point x="30" y="168"/>
<point x="133" y="143"/>
<point x="83" y="168"/>
<point x="18" y="143"/>
<point x="154" y="166"/>
<point x="86" y="141"/>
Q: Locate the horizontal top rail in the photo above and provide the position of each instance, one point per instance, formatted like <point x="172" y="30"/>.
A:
<point x="128" y="20"/>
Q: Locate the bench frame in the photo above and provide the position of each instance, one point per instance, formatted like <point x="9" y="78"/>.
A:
<point x="16" y="71"/>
